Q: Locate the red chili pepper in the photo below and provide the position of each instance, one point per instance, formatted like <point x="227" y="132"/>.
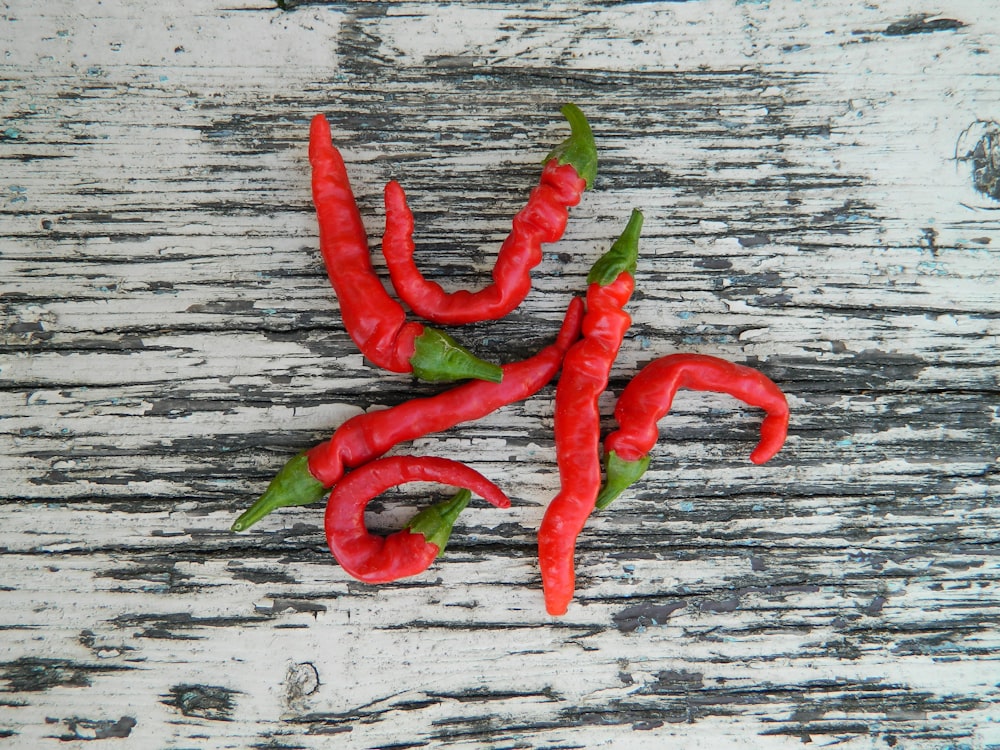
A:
<point x="569" y="170"/>
<point x="577" y="417"/>
<point x="375" y="321"/>
<point x="307" y="477"/>
<point x="376" y="559"/>
<point x="647" y="399"/>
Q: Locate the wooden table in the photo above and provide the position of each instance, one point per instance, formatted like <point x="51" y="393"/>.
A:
<point x="820" y="185"/>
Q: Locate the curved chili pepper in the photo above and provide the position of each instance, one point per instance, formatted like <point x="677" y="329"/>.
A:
<point x="376" y="559"/>
<point x="577" y="417"/>
<point x="308" y="476"/>
<point x="375" y="321"/>
<point x="647" y="399"/>
<point x="569" y="170"/>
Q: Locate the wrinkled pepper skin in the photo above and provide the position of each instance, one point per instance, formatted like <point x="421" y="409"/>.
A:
<point x="577" y="417"/>
<point x="568" y="172"/>
<point x="649" y="395"/>
<point x="375" y="321"/>
<point x="375" y="559"/>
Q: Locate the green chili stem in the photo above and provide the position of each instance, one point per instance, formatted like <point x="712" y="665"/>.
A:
<point x="620" y="474"/>
<point x="438" y="357"/>
<point x="622" y="256"/>
<point x="293" y="485"/>
<point x="436" y="522"/>
<point x="579" y="149"/>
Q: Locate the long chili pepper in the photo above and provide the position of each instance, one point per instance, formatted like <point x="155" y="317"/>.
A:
<point x="376" y="322"/>
<point x="308" y="476"/>
<point x="577" y="418"/>
<point x="647" y="399"/>
<point x="569" y="170"/>
<point x="376" y="559"/>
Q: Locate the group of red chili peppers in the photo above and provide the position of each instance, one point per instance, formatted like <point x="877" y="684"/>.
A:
<point x="585" y="349"/>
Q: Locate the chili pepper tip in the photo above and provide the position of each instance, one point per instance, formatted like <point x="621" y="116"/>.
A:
<point x="773" y="431"/>
<point x="579" y="149"/>
<point x="437" y="521"/>
<point x="319" y="136"/>
<point x="293" y="485"/>
<point x="438" y="357"/>
<point x="620" y="475"/>
<point x="622" y="256"/>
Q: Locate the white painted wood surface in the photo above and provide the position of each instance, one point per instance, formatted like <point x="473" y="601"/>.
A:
<point x="817" y="183"/>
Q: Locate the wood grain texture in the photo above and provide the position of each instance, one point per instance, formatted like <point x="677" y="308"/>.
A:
<point x="819" y="187"/>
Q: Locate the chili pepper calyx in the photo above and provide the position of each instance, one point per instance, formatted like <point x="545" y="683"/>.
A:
<point x="293" y="485"/>
<point x="436" y="521"/>
<point x="438" y="357"/>
<point x="622" y="256"/>
<point x="579" y="149"/>
<point x="620" y="474"/>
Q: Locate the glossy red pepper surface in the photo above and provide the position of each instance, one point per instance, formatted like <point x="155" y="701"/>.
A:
<point x="376" y="559"/>
<point x="375" y="321"/>
<point x="567" y="173"/>
<point x="648" y="397"/>
<point x="542" y="220"/>
<point x="577" y="427"/>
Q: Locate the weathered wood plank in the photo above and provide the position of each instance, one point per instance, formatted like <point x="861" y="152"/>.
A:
<point x="817" y="186"/>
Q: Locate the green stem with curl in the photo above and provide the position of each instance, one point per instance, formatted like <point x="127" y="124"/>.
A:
<point x="622" y="256"/>
<point x="579" y="149"/>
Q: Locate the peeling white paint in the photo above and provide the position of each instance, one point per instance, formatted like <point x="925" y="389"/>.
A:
<point x="170" y="340"/>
